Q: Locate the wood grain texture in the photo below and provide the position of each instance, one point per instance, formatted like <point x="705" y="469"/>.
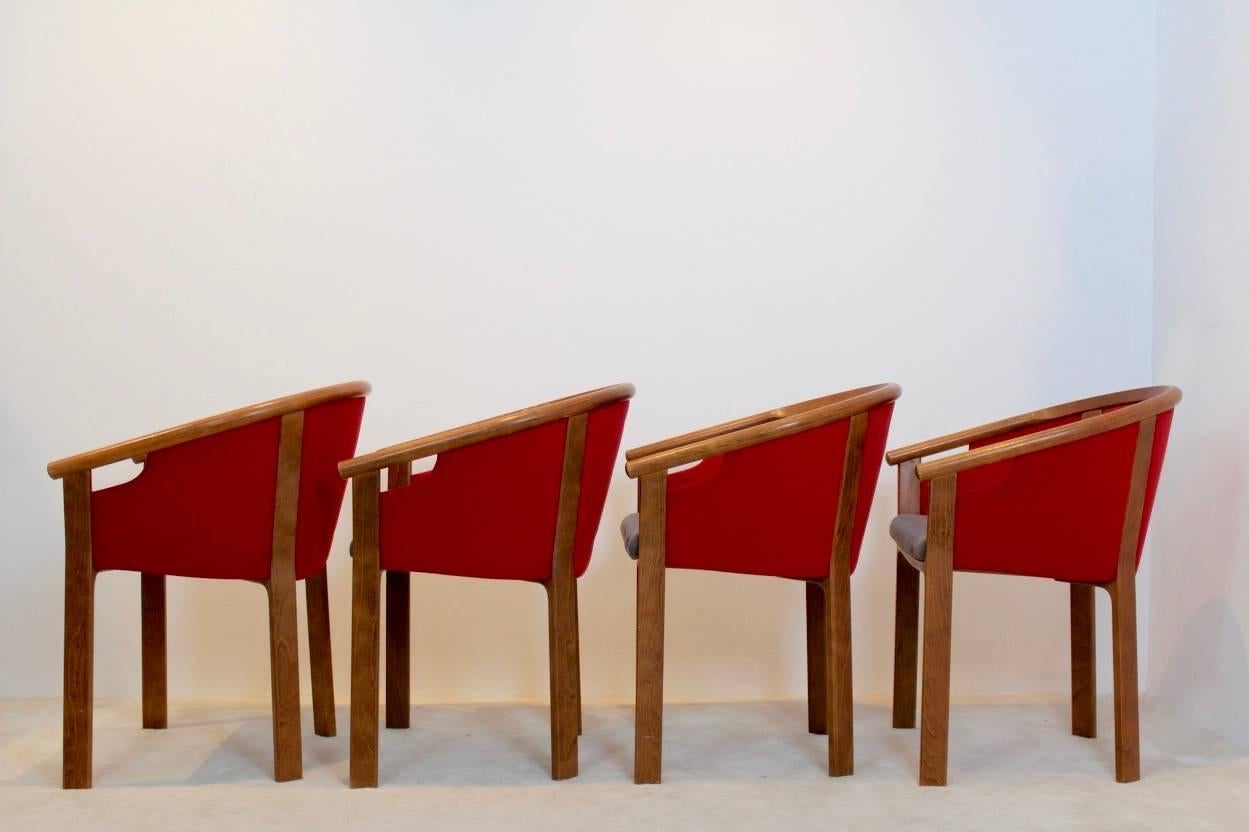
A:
<point x="320" y="654"/>
<point x="938" y="608"/>
<point x="1145" y="401"/>
<point x="649" y="697"/>
<point x="906" y="610"/>
<point x="154" y="655"/>
<point x="1123" y="615"/>
<point x="1160" y="400"/>
<point x="283" y="607"/>
<point x="561" y="598"/>
<point x="817" y="660"/>
<point x="398" y="626"/>
<point x="788" y="421"/>
<point x="576" y="652"/>
<point x="493" y="428"/>
<point x="365" y="599"/>
<point x="839" y="682"/>
<point x="76" y="727"/>
<point x="1083" y="661"/>
<point x="140" y="446"/>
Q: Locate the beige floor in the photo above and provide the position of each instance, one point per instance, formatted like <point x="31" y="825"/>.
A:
<point x="737" y="766"/>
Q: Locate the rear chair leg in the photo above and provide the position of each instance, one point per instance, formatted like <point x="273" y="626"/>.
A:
<point x="905" y="643"/>
<point x="320" y="660"/>
<point x="398" y="649"/>
<point x="817" y="699"/>
<point x="1083" y="661"/>
<point x="155" y="674"/>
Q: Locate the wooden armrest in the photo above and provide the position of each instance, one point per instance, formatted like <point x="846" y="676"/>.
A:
<point x="1160" y="400"/>
<point x="138" y="448"/>
<point x="471" y="434"/>
<point x="778" y="423"/>
<point x="977" y="434"/>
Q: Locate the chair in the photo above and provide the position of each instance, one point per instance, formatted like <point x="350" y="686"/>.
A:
<point x="784" y="493"/>
<point x="1063" y="493"/>
<point x="516" y="497"/>
<point x="249" y="495"/>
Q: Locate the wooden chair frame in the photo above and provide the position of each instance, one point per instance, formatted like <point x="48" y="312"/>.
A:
<point x="80" y="574"/>
<point x="1140" y="406"/>
<point x="829" y="681"/>
<point x="565" y="665"/>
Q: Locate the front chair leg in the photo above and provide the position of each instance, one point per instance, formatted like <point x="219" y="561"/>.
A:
<point x="838" y="677"/>
<point x="563" y="682"/>
<point x="317" y="598"/>
<point x="817" y="698"/>
<point x="649" y="698"/>
<point x="365" y="626"/>
<point x="284" y="678"/>
<point x="79" y="634"/>
<point x="938" y="606"/>
<point x="1127" y="706"/>
<point x="155" y="689"/>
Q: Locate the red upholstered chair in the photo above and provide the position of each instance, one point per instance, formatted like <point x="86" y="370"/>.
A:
<point x="784" y="493"/>
<point x="517" y="497"/>
<point x="252" y="494"/>
<point x="1063" y="493"/>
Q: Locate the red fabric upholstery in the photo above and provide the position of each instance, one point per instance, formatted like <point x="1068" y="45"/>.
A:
<point x="1056" y="513"/>
<point x="488" y="510"/>
<point x="770" y="509"/>
<point x="204" y="509"/>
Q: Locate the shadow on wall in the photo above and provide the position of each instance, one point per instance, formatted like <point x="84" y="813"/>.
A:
<point x="1211" y="647"/>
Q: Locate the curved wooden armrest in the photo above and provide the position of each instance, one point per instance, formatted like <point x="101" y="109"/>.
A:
<point x="139" y="447"/>
<point x="752" y="430"/>
<point x="508" y="423"/>
<point x="977" y="434"/>
<point x="1160" y="399"/>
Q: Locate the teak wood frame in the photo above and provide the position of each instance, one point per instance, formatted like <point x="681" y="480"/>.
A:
<point x="829" y="682"/>
<point x="1140" y="407"/>
<point x="564" y="643"/>
<point x="80" y="574"/>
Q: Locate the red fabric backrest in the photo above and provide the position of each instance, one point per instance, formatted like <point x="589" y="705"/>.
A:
<point x="770" y="509"/>
<point x="488" y="510"/>
<point x="1056" y="513"/>
<point x="204" y="509"/>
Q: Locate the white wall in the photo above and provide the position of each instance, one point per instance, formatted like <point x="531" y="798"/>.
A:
<point x="1200" y="604"/>
<point x="483" y="205"/>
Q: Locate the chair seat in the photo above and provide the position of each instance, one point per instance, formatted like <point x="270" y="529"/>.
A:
<point x="629" y="534"/>
<point x="910" y="532"/>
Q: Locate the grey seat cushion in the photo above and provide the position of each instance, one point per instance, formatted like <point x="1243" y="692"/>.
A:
<point x="629" y="533"/>
<point x="910" y="532"/>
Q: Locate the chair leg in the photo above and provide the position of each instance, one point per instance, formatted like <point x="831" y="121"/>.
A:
<point x="576" y="654"/>
<point x="817" y="698"/>
<point x="838" y="675"/>
<point x="1083" y="661"/>
<point x="79" y="634"/>
<point x="365" y="625"/>
<point x="155" y="687"/>
<point x="649" y="697"/>
<point x="1127" y="713"/>
<point x="905" y="643"/>
<point x="284" y="678"/>
<point x="938" y="605"/>
<point x="562" y="671"/>
<point x="398" y="649"/>
<point x="320" y="656"/>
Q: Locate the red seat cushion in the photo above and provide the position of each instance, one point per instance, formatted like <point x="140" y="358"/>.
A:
<point x="204" y="509"/>
<point x="770" y="509"/>
<point x="488" y="510"/>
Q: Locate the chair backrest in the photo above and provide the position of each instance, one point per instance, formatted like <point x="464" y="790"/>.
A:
<point x="488" y="509"/>
<point x="205" y="506"/>
<point x="1059" y="512"/>
<point x="771" y="507"/>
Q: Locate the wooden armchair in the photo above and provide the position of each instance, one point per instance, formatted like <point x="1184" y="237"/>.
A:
<point x="1063" y="493"/>
<point x="783" y="493"/>
<point x="251" y="495"/>
<point x="516" y="497"/>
